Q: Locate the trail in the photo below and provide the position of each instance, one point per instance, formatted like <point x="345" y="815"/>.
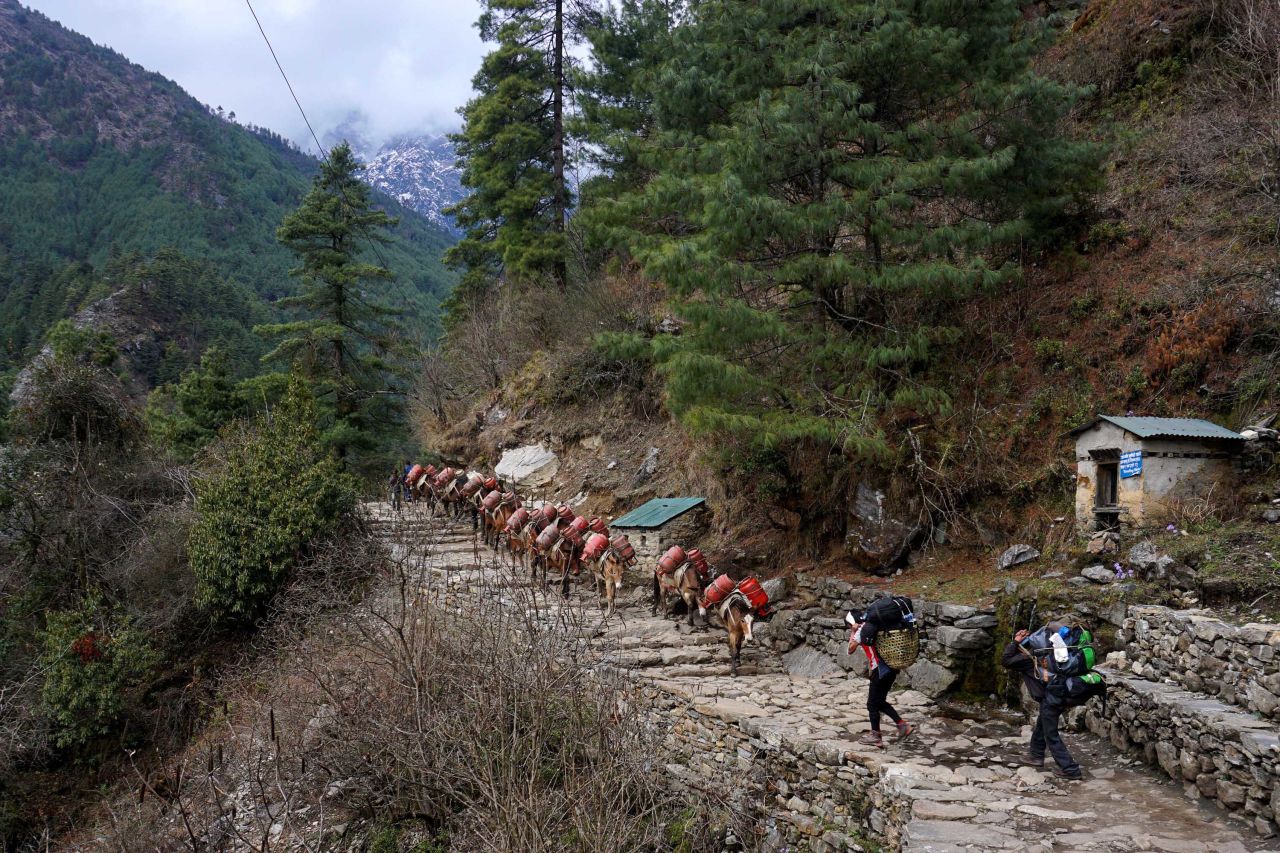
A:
<point x="959" y="780"/>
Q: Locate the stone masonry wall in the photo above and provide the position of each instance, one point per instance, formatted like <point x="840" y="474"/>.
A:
<point x="1217" y="751"/>
<point x="802" y="794"/>
<point x="1237" y="664"/>
<point x="957" y="637"/>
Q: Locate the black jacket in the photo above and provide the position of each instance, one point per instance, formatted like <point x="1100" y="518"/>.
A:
<point x="1018" y="660"/>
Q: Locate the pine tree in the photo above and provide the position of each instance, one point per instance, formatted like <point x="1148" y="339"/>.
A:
<point x="615" y="95"/>
<point x="831" y="178"/>
<point x="345" y="342"/>
<point x="513" y="150"/>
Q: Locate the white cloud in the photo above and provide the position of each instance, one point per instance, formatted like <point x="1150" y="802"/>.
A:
<point x="402" y="65"/>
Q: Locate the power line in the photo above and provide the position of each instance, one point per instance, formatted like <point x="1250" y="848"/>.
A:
<point x="323" y="154"/>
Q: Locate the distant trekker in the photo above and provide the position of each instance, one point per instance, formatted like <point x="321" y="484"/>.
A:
<point x="396" y="484"/>
<point x="884" y="614"/>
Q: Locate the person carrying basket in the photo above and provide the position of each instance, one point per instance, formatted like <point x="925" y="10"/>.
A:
<point x="891" y="641"/>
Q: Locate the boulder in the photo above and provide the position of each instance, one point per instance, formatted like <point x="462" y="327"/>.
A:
<point x="876" y="541"/>
<point x="1149" y="562"/>
<point x="777" y="589"/>
<point x="930" y="678"/>
<point x="1017" y="555"/>
<point x="1098" y="574"/>
<point x="649" y="466"/>
<point x="529" y="466"/>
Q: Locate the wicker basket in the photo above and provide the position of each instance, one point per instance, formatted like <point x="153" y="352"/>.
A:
<point x="899" y="647"/>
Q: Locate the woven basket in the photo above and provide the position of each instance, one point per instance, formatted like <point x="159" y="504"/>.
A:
<point x="899" y="647"/>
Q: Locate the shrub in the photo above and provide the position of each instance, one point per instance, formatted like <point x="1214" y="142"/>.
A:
<point x="276" y="494"/>
<point x="91" y="657"/>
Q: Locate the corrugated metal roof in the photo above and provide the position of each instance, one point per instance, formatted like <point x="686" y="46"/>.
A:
<point x="1167" y="428"/>
<point x="657" y="512"/>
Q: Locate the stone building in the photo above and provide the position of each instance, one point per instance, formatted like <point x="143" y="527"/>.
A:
<point x="662" y="522"/>
<point x="1133" y="471"/>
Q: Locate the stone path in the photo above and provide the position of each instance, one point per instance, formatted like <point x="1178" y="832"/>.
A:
<point x="957" y="787"/>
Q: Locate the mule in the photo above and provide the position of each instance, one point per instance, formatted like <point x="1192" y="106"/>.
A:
<point x="607" y="573"/>
<point x="737" y="615"/>
<point x="684" y="584"/>
<point x="495" y="522"/>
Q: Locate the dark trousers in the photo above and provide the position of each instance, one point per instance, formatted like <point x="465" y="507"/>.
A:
<point x="878" y="699"/>
<point x="1045" y="734"/>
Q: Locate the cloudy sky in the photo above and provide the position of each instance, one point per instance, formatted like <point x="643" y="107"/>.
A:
<point x="402" y="65"/>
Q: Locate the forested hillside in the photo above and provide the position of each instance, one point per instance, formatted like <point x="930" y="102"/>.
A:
<point x="99" y="157"/>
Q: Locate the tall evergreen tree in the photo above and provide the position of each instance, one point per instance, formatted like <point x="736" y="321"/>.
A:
<point x="615" y="93"/>
<point x="513" y="151"/>
<point x="831" y="178"/>
<point x="345" y="341"/>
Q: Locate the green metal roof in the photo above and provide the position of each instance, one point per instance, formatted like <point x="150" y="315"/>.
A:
<point x="1167" y="428"/>
<point x="657" y="512"/>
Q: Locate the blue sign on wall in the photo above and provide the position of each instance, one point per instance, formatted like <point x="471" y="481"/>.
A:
<point x="1130" y="463"/>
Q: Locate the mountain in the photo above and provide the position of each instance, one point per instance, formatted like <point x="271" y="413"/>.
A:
<point x="100" y="158"/>
<point x="421" y="173"/>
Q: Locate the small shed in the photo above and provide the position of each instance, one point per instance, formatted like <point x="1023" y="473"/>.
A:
<point x="1134" y="470"/>
<point x="662" y="522"/>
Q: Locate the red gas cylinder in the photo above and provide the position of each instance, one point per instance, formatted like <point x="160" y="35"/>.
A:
<point x="414" y="474"/>
<point x="548" y="512"/>
<point x="751" y="588"/>
<point x="491" y="482"/>
<point x="540" y="522"/>
<point x="597" y="525"/>
<point x="564" y="512"/>
<point x="672" y="560"/>
<point x="448" y="474"/>
<point x="548" y="537"/>
<point x="596" y="543"/>
<point x="624" y="548"/>
<point x="431" y="471"/>
<point x="491" y="501"/>
<point x="575" y="530"/>
<point x="518" y="520"/>
<point x="717" y="590"/>
<point x="699" y="560"/>
<point x="474" y="482"/>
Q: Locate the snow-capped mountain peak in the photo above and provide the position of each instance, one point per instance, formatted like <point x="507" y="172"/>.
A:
<point x="420" y="172"/>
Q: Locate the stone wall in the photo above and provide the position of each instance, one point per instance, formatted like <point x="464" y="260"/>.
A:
<point x="958" y="639"/>
<point x="1217" y="751"/>
<point x="1237" y="664"/>
<point x="798" y="793"/>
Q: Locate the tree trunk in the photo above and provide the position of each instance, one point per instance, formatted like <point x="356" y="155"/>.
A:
<point x="560" y="201"/>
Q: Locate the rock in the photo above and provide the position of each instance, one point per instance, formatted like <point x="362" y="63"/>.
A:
<point x="1078" y="581"/>
<point x="777" y="589"/>
<point x="528" y="466"/>
<point x="591" y="442"/>
<point x="963" y="639"/>
<point x="1017" y="555"/>
<point x="982" y="620"/>
<point x="929" y="810"/>
<point x="1149" y="562"/>
<point x="495" y="415"/>
<point x="955" y="612"/>
<point x="649" y="466"/>
<point x="1098" y="574"/>
<point x="876" y="541"/>
<point x="808" y="662"/>
<point x="1271" y="516"/>
<point x="930" y="678"/>
<point x="1105" y="542"/>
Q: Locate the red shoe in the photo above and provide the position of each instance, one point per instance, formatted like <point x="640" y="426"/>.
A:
<point x="905" y="730"/>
